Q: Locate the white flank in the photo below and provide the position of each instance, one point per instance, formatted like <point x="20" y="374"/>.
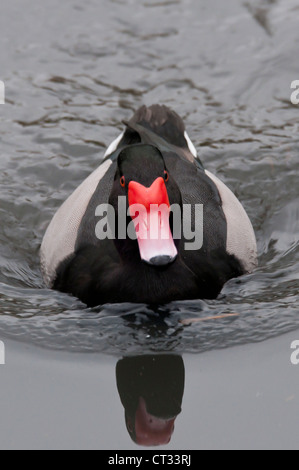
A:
<point x="61" y="235"/>
<point x="113" y="146"/>
<point x="241" y="240"/>
<point x="190" y="145"/>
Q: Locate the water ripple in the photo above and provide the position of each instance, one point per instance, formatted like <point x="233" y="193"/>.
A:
<point x="70" y="86"/>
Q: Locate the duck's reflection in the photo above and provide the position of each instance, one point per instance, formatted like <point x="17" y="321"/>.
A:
<point x="151" y="390"/>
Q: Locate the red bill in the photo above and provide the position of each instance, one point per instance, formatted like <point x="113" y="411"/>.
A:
<point x="150" y="212"/>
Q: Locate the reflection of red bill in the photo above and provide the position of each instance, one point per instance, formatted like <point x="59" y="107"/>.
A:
<point x="150" y="210"/>
<point x="149" y="430"/>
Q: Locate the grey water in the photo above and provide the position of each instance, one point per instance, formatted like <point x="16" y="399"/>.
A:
<point x="73" y="71"/>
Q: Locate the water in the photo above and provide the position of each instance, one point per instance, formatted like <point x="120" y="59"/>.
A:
<point x="244" y="397"/>
<point x="73" y="72"/>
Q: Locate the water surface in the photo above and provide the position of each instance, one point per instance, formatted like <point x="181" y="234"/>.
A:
<point x="73" y="72"/>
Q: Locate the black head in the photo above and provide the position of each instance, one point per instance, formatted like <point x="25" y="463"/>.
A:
<point x="142" y="181"/>
<point x="141" y="163"/>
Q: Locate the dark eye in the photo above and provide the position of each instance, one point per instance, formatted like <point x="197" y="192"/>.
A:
<point x="166" y="176"/>
<point x="123" y="181"/>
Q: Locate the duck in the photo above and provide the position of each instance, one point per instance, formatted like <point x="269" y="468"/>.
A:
<point x="151" y="168"/>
